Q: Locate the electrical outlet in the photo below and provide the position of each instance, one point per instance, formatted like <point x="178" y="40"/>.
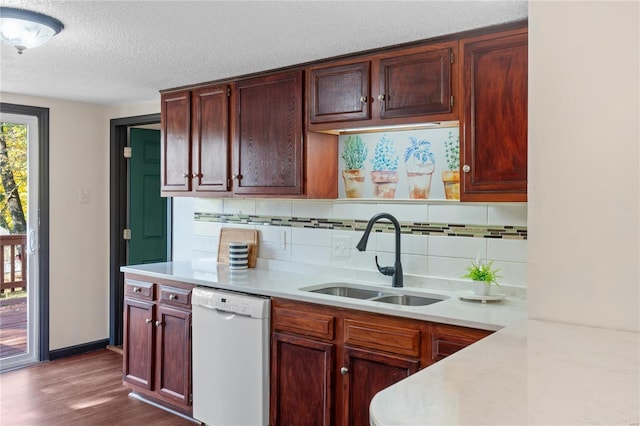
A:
<point x="341" y="246"/>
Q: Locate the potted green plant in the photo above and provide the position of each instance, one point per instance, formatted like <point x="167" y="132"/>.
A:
<point x="354" y="154"/>
<point x="385" y="168"/>
<point x="451" y="177"/>
<point x="483" y="276"/>
<point x="419" y="164"/>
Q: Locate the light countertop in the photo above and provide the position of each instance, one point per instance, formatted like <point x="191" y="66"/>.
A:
<point x="490" y="316"/>
<point x="531" y="373"/>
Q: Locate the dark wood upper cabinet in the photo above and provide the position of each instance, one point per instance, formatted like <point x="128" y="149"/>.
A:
<point x="211" y="138"/>
<point x="494" y="117"/>
<point x="340" y="93"/>
<point x="268" y="148"/>
<point x="175" y="153"/>
<point x="417" y="84"/>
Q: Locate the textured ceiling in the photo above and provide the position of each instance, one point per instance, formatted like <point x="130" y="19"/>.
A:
<point x="113" y="52"/>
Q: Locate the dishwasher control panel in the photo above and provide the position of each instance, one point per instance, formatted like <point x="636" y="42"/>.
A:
<point x="241" y="304"/>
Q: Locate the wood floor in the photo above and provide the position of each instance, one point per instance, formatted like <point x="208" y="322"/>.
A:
<point x="13" y="326"/>
<point x="80" y="390"/>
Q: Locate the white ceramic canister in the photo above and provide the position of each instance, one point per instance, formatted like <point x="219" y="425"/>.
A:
<point x="238" y="255"/>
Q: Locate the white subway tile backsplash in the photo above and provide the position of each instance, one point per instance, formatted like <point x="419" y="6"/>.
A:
<point x="406" y="212"/>
<point x="205" y="244"/>
<point x="458" y="247"/>
<point x="311" y="237"/>
<point x="512" y="272"/>
<point x="361" y="211"/>
<point x="211" y="229"/>
<point x="507" y="250"/>
<point x="311" y="254"/>
<point x="474" y="214"/>
<point x="273" y="208"/>
<point x="508" y="214"/>
<point x="447" y="266"/>
<point x="239" y="206"/>
<point x="313" y="209"/>
<point x="410" y="244"/>
<point x="413" y="264"/>
<point x="208" y="205"/>
<point x="270" y="234"/>
<point x="269" y="250"/>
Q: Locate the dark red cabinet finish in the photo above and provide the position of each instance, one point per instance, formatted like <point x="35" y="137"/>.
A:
<point x="175" y="153"/>
<point x="417" y="84"/>
<point x="494" y="121"/>
<point x="138" y="343"/>
<point x="268" y="148"/>
<point x="340" y="93"/>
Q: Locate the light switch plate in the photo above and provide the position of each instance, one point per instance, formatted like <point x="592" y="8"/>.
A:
<point x="84" y="195"/>
<point x="341" y="247"/>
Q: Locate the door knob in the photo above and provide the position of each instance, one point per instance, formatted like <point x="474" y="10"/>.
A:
<point x="466" y="168"/>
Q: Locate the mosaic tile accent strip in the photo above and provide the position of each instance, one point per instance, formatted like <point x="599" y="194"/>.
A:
<point x="415" y="228"/>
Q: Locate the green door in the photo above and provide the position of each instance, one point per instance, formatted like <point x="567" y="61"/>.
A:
<point x="147" y="210"/>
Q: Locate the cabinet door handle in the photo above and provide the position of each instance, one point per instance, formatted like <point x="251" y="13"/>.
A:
<point x="238" y="176"/>
<point x="363" y="99"/>
<point x="173" y="297"/>
<point x="148" y="320"/>
<point x="137" y="289"/>
<point x="186" y="175"/>
<point x="466" y="168"/>
<point x="344" y="371"/>
<point x="381" y="97"/>
<point x="158" y="323"/>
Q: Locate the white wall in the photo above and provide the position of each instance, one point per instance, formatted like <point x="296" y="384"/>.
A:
<point x="79" y="233"/>
<point x="583" y="163"/>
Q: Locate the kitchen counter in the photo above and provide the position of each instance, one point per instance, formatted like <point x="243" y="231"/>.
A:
<point x="534" y="372"/>
<point x="490" y="316"/>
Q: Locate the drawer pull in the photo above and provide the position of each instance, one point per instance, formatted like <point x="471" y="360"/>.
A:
<point x="137" y="289"/>
<point x="148" y="320"/>
<point x="173" y="297"/>
<point x="344" y="371"/>
<point x="158" y="323"/>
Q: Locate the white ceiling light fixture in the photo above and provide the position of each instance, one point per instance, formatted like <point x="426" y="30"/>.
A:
<point x="24" y="29"/>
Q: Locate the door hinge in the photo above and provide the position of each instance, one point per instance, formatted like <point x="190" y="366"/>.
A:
<point x="127" y="152"/>
<point x="452" y="103"/>
<point x="126" y="234"/>
<point x="453" y="57"/>
<point x="190" y="398"/>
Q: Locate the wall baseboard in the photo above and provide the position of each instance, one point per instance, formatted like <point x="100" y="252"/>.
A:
<point x="78" y="349"/>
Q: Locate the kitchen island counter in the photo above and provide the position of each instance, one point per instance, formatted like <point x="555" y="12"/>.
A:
<point x="530" y="373"/>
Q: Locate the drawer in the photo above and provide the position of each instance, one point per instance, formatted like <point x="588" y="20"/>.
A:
<point x="448" y="339"/>
<point x="175" y="296"/>
<point x="305" y="323"/>
<point x="139" y="289"/>
<point x="396" y="340"/>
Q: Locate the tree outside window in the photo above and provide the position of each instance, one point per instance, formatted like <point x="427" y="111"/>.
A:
<point x="13" y="177"/>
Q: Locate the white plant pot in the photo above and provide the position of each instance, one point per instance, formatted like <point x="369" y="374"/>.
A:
<point x="480" y="288"/>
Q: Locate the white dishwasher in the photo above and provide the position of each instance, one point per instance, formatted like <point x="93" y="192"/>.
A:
<point x="230" y="337"/>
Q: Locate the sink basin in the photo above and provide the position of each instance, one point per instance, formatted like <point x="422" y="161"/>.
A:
<point x="343" y="291"/>
<point x="406" y="300"/>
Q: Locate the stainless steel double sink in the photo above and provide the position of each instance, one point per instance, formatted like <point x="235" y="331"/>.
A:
<point x="355" y="291"/>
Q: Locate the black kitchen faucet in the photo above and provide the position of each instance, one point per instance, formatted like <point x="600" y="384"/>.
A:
<point x="394" y="271"/>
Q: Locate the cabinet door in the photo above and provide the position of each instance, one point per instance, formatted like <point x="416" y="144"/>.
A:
<point x="139" y="342"/>
<point x="494" y="147"/>
<point x="268" y="140"/>
<point x="210" y="138"/>
<point x="302" y="371"/>
<point x="339" y="93"/>
<point x="416" y="84"/>
<point x="175" y="160"/>
<point x="367" y="373"/>
<point x="173" y="371"/>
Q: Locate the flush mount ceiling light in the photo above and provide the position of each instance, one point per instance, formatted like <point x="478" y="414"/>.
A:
<point x="24" y="29"/>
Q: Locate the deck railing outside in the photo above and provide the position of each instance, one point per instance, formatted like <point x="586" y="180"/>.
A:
<point x="13" y="265"/>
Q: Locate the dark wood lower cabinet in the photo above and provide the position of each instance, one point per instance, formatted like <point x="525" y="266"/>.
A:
<point x="302" y="391"/>
<point x="327" y="363"/>
<point x="157" y="342"/>
<point x="366" y="373"/>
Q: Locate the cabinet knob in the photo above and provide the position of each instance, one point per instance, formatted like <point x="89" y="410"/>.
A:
<point x="173" y="297"/>
<point x="344" y="371"/>
<point x="466" y="168"/>
<point x="238" y="176"/>
<point x="186" y="175"/>
<point x="158" y="323"/>
<point x="137" y="289"/>
<point x="363" y="99"/>
<point x="381" y="97"/>
<point x="148" y="320"/>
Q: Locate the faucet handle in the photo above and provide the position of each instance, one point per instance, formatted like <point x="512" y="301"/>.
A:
<point x="385" y="270"/>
